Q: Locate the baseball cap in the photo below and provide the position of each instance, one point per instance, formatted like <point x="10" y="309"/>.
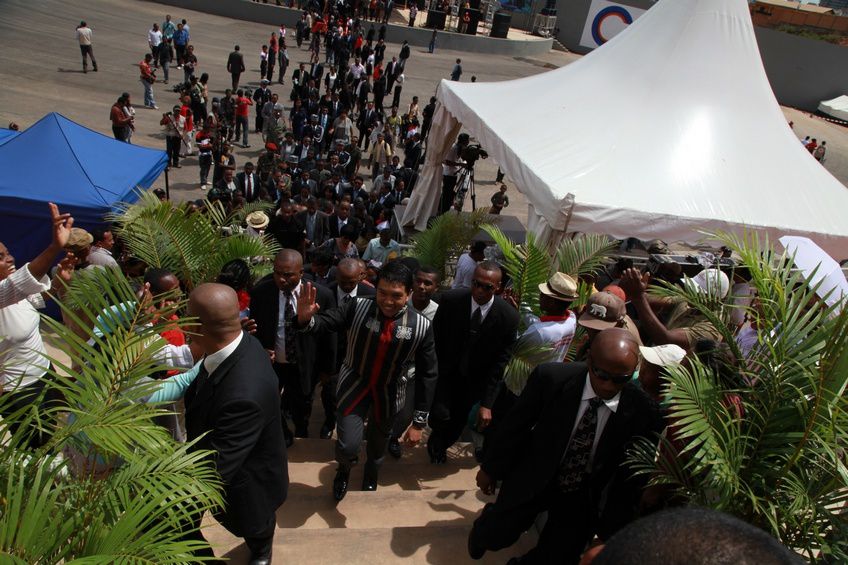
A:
<point x="709" y="281"/>
<point x="663" y="355"/>
<point x="603" y="310"/>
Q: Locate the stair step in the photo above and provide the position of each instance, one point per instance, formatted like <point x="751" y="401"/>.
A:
<point x="314" y="507"/>
<point x="316" y="450"/>
<point x="394" y="475"/>
<point x="436" y="542"/>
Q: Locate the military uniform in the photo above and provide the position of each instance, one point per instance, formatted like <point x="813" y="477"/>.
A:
<point x="266" y="164"/>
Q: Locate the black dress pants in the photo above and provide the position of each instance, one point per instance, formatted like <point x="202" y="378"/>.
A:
<point x="294" y="398"/>
<point x="570" y="526"/>
<point x="448" y="417"/>
<point x="448" y="193"/>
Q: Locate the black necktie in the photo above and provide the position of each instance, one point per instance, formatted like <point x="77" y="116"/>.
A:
<point x="473" y="331"/>
<point x="575" y="462"/>
<point x="201" y="378"/>
<point x="291" y="331"/>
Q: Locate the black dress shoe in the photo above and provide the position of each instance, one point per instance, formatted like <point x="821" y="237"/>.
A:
<point x="327" y="430"/>
<point x="369" y="483"/>
<point x="395" y="450"/>
<point x="340" y="485"/>
<point x="475" y="550"/>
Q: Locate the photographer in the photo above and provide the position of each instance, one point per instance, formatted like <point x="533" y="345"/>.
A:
<point x="451" y="167"/>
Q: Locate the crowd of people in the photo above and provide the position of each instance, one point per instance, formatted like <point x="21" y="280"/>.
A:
<point x="393" y="353"/>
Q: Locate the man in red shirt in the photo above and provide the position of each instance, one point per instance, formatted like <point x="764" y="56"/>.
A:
<point x="242" y="113"/>
<point x="147" y="79"/>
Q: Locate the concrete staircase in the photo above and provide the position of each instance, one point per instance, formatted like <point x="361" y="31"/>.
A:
<point x="420" y="513"/>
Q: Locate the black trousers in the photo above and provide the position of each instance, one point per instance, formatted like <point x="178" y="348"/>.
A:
<point x="328" y="400"/>
<point x="571" y="524"/>
<point x="37" y="394"/>
<point x="172" y="144"/>
<point x="236" y="77"/>
<point x="448" y="417"/>
<point x="259" y="545"/>
<point x="293" y="398"/>
<point x="86" y="50"/>
<point x="448" y="193"/>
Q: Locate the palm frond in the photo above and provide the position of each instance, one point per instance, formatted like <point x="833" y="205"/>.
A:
<point x="147" y="487"/>
<point x="527" y="354"/>
<point x="447" y="236"/>
<point x="584" y="254"/>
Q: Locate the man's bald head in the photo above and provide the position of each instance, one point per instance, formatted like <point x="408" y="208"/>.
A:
<point x="348" y="274"/>
<point x="349" y="266"/>
<point x="613" y="358"/>
<point x="289" y="256"/>
<point x="217" y="310"/>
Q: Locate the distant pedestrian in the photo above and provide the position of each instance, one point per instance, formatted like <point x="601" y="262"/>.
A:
<point x="120" y="121"/>
<point x="147" y="79"/>
<point x="235" y="65"/>
<point x="820" y="151"/>
<point x="457" y="70"/>
<point x="165" y="59"/>
<point x="413" y="12"/>
<point x="432" y="46"/>
<point x="84" y="38"/>
<point x="154" y="40"/>
<point x="180" y="44"/>
<point x="189" y="64"/>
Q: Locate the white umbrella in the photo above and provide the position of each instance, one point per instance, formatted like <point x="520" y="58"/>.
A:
<point x="809" y="257"/>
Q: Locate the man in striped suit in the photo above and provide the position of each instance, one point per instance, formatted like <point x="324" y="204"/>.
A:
<point x="384" y="338"/>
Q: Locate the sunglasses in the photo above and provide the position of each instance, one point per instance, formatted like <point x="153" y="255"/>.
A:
<point x="606" y="376"/>
<point x="487" y="287"/>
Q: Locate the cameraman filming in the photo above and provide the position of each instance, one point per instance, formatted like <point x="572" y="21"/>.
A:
<point x="451" y="167"/>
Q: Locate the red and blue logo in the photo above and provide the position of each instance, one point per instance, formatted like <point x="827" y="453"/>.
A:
<point x="611" y="12"/>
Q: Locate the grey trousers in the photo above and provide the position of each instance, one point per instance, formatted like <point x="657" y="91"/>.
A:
<point x="350" y="429"/>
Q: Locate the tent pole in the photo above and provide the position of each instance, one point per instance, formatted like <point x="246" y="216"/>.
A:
<point x="167" y="186"/>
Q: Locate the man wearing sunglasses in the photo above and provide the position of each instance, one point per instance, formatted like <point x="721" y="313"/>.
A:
<point x="474" y="330"/>
<point x="561" y="446"/>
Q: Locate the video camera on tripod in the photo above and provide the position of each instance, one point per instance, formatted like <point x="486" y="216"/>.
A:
<point x="471" y="153"/>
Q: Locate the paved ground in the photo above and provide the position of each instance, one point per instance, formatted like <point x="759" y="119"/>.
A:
<point x="37" y="82"/>
<point x="49" y="78"/>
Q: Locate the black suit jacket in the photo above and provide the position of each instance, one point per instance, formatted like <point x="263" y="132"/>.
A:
<point x="238" y="405"/>
<point x="334" y="224"/>
<point x="322" y="226"/>
<point x="528" y="445"/>
<point x="258" y="189"/>
<point x="341" y="337"/>
<point x="235" y="63"/>
<point x="487" y="358"/>
<point x="367" y="120"/>
<point x="315" y="353"/>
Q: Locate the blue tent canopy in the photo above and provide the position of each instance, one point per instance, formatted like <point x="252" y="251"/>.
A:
<point x="84" y="172"/>
<point x="7" y="134"/>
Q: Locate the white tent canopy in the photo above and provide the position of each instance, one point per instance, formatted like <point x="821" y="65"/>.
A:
<point x="667" y="130"/>
<point x="838" y="107"/>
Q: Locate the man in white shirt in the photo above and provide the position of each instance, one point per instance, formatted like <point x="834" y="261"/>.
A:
<point x="561" y="446"/>
<point x="556" y="327"/>
<point x="101" y="248"/>
<point x="84" y="38"/>
<point x="466" y="264"/>
<point x="451" y="166"/>
<point x="154" y="40"/>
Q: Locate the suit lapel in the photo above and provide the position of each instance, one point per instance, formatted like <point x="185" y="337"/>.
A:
<point x="616" y="426"/>
<point x="571" y="396"/>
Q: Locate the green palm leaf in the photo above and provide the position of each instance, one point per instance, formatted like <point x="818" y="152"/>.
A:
<point x="447" y="236"/>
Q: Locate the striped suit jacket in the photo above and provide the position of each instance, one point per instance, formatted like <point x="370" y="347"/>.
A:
<point x="411" y="344"/>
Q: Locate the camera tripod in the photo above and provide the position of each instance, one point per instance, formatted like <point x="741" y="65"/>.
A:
<point x="465" y="184"/>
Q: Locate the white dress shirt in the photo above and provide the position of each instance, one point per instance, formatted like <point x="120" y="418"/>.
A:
<point x="100" y="257"/>
<point x="22" y="353"/>
<point x="212" y="362"/>
<point x="484" y="308"/>
<point x="340" y="294"/>
<point x="465" y="267"/>
<point x="604" y="411"/>
<point x="280" y="341"/>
